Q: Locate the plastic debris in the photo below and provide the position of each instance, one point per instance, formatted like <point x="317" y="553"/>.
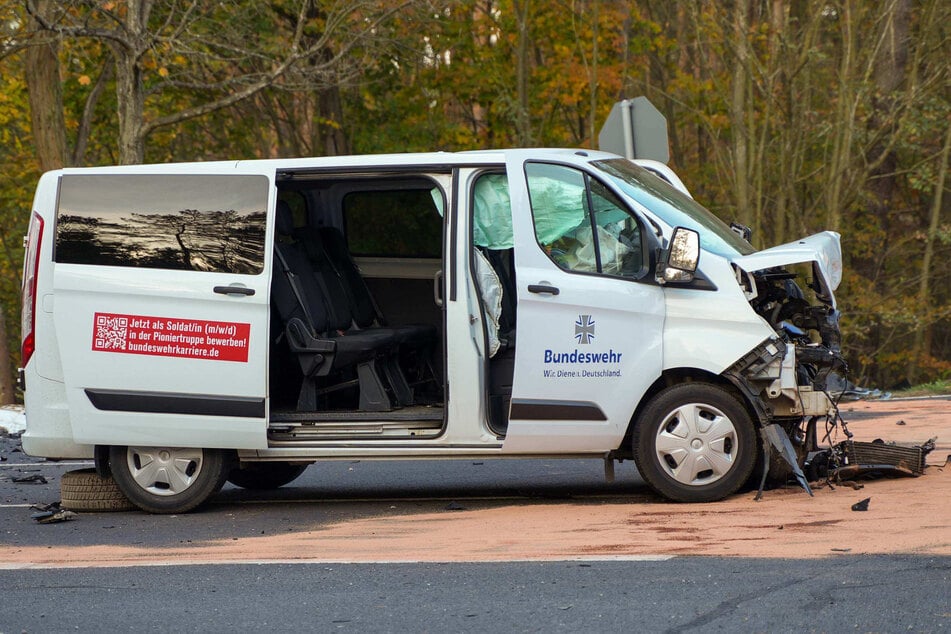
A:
<point x="51" y="517"/>
<point x="30" y="479"/>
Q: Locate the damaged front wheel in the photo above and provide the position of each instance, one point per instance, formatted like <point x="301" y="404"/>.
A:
<point x="695" y="442"/>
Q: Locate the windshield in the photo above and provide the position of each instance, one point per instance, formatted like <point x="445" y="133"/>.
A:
<point x="673" y="207"/>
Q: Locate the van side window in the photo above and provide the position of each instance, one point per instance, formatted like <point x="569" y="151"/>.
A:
<point x="403" y="223"/>
<point x="297" y="204"/>
<point x="163" y="221"/>
<point x="581" y="224"/>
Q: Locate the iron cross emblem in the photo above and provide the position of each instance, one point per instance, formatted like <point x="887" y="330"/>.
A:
<point x="584" y="329"/>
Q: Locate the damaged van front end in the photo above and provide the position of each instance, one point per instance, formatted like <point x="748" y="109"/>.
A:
<point x="788" y="374"/>
<point x="786" y="378"/>
<point x="761" y="325"/>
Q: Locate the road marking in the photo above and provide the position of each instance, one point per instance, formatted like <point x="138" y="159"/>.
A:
<point x="84" y="463"/>
<point x="325" y="562"/>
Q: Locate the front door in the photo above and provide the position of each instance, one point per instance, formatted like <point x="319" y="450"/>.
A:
<point x="590" y="319"/>
<point x="160" y="305"/>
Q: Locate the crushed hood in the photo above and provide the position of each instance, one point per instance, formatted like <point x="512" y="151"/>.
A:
<point x="823" y="250"/>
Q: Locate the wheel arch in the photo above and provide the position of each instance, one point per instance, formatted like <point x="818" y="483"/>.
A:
<point x="675" y="376"/>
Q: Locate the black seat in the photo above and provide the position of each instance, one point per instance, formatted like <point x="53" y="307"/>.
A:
<point x="316" y="327"/>
<point x="363" y="308"/>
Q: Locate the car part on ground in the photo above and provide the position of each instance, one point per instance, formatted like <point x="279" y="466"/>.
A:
<point x="84" y="490"/>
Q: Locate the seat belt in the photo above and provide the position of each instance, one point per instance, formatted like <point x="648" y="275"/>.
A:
<point x="295" y="286"/>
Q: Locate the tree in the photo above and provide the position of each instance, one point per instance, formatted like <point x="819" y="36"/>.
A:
<point x="224" y="52"/>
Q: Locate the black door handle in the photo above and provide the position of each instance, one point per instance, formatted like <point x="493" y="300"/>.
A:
<point x="543" y="288"/>
<point x="234" y="290"/>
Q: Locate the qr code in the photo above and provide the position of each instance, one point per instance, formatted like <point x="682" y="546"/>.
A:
<point x="111" y="332"/>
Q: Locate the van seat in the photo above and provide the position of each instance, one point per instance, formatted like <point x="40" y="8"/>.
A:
<point x="315" y="326"/>
<point x="364" y="309"/>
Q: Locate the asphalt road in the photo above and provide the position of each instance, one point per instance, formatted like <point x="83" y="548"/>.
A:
<point x="861" y="594"/>
<point x="327" y="492"/>
<point x="682" y="594"/>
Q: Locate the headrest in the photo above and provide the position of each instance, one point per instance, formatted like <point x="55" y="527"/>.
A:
<point x="285" y="219"/>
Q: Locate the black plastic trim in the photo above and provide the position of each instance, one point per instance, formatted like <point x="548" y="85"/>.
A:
<point x="289" y="173"/>
<point x="454" y="234"/>
<point x="531" y="409"/>
<point x="170" y="403"/>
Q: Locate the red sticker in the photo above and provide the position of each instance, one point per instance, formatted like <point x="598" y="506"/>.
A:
<point x="171" y="337"/>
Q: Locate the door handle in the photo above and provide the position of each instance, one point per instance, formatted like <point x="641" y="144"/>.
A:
<point x="543" y="289"/>
<point x="437" y="288"/>
<point x="234" y="290"/>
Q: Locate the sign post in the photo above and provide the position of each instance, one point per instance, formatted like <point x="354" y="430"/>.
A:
<point x="635" y="129"/>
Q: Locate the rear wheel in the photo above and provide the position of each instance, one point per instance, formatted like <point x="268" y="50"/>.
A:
<point x="168" y="479"/>
<point x="265" y="475"/>
<point x="695" y="442"/>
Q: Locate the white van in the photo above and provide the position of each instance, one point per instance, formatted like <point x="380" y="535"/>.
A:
<point x="188" y="324"/>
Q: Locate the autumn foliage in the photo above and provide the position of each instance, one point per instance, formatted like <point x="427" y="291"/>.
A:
<point x="790" y="116"/>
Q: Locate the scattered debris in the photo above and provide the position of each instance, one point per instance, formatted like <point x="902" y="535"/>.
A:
<point x="51" y="517"/>
<point x="901" y="422"/>
<point x="30" y="479"/>
<point x="861" y="505"/>
<point x="848" y="391"/>
<point x="455" y="506"/>
<point x="851" y="460"/>
<point x="841" y="550"/>
<point x="54" y="506"/>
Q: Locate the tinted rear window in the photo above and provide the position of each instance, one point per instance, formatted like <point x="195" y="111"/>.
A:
<point x="163" y="221"/>
<point x="403" y="223"/>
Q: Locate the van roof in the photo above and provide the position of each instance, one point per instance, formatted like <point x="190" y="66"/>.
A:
<point x="356" y="161"/>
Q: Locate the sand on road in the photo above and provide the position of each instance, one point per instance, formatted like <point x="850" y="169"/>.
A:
<point x="905" y="515"/>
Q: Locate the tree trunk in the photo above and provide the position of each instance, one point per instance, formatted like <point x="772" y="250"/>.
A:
<point x="738" y="112"/>
<point x="924" y="291"/>
<point x="131" y="106"/>
<point x="330" y="110"/>
<point x="41" y="65"/>
<point x="593" y="75"/>
<point x="523" y="122"/>
<point x="890" y="69"/>
<point x="130" y="93"/>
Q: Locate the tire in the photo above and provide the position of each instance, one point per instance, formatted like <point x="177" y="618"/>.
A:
<point x="169" y="479"/>
<point x="695" y="442"/>
<point x="84" y="490"/>
<point x="261" y="476"/>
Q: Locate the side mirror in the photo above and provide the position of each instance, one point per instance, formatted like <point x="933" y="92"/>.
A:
<point x="679" y="261"/>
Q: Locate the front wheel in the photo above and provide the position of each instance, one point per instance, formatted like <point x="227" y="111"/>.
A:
<point x="168" y="479"/>
<point x="695" y="442"/>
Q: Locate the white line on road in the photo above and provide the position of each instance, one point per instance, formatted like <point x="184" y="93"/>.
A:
<point x="310" y="562"/>
<point x="84" y="463"/>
